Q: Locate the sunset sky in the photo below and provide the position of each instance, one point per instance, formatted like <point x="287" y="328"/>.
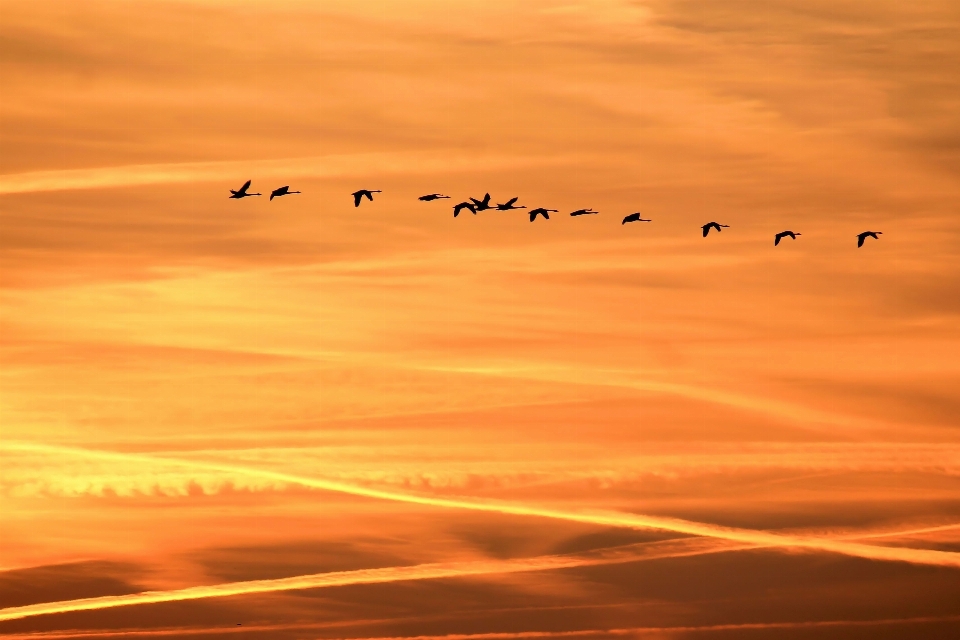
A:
<point x="303" y="419"/>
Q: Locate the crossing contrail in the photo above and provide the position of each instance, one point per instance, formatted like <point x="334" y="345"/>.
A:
<point x="613" y="555"/>
<point x="749" y="537"/>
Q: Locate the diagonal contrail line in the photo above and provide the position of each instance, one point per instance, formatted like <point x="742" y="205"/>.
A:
<point x="602" y="518"/>
<point x="432" y="571"/>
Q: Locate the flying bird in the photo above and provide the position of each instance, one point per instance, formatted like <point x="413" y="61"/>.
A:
<point x="282" y="191"/>
<point x="482" y="205"/>
<point x="783" y="234"/>
<point x="464" y="205"/>
<point x="359" y="195"/>
<point x="634" y="217"/>
<point x="242" y="191"/>
<point x="540" y="211"/>
<point x="867" y="234"/>
<point x="432" y="196"/>
<point x="508" y="205"/>
<point x="584" y="212"/>
<point x="713" y="225"/>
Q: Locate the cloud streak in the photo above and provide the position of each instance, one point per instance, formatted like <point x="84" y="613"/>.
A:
<point x="750" y="537"/>
<point x="331" y="166"/>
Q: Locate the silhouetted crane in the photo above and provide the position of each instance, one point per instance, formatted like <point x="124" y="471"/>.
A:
<point x="508" y="205"/>
<point x="867" y="234"/>
<point x="481" y="205"/>
<point x="282" y="191"/>
<point x="242" y="191"/>
<point x="783" y="234"/>
<point x="634" y="217"/>
<point x="464" y="205"/>
<point x="359" y="195"/>
<point x="713" y="225"/>
<point x="432" y="196"/>
<point x="584" y="212"/>
<point x="540" y="211"/>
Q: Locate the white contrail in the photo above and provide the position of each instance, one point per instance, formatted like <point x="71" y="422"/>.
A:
<point x="614" y="555"/>
<point x="602" y="518"/>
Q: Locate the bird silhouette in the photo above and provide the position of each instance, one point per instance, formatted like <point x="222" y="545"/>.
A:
<point x="242" y="191"/>
<point x="508" y="205"/>
<point x="867" y="234"/>
<point x="432" y="196"/>
<point x="481" y="205"/>
<point x="464" y="205"/>
<point x="634" y="217"/>
<point x="540" y="211"/>
<point x="783" y="234"/>
<point x="282" y="191"/>
<point x="359" y="195"/>
<point x="584" y="212"/>
<point x="713" y="225"/>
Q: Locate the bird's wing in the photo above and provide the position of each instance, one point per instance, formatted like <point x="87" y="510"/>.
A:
<point x="860" y="240"/>
<point x="246" y="185"/>
<point x="546" y="214"/>
<point x="706" y="230"/>
<point x="357" y="197"/>
<point x="512" y="200"/>
<point x="369" y="195"/>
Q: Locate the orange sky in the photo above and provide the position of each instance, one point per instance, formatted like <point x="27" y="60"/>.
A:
<point x="321" y="421"/>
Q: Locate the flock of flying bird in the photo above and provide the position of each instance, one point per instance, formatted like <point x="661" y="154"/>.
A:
<point x="474" y="205"/>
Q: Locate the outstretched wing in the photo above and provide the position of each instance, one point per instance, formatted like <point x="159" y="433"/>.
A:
<point x="510" y="202"/>
<point x="357" y="197"/>
<point x="860" y="239"/>
<point x="369" y="195"/>
<point x="243" y="189"/>
<point x="777" y="238"/>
